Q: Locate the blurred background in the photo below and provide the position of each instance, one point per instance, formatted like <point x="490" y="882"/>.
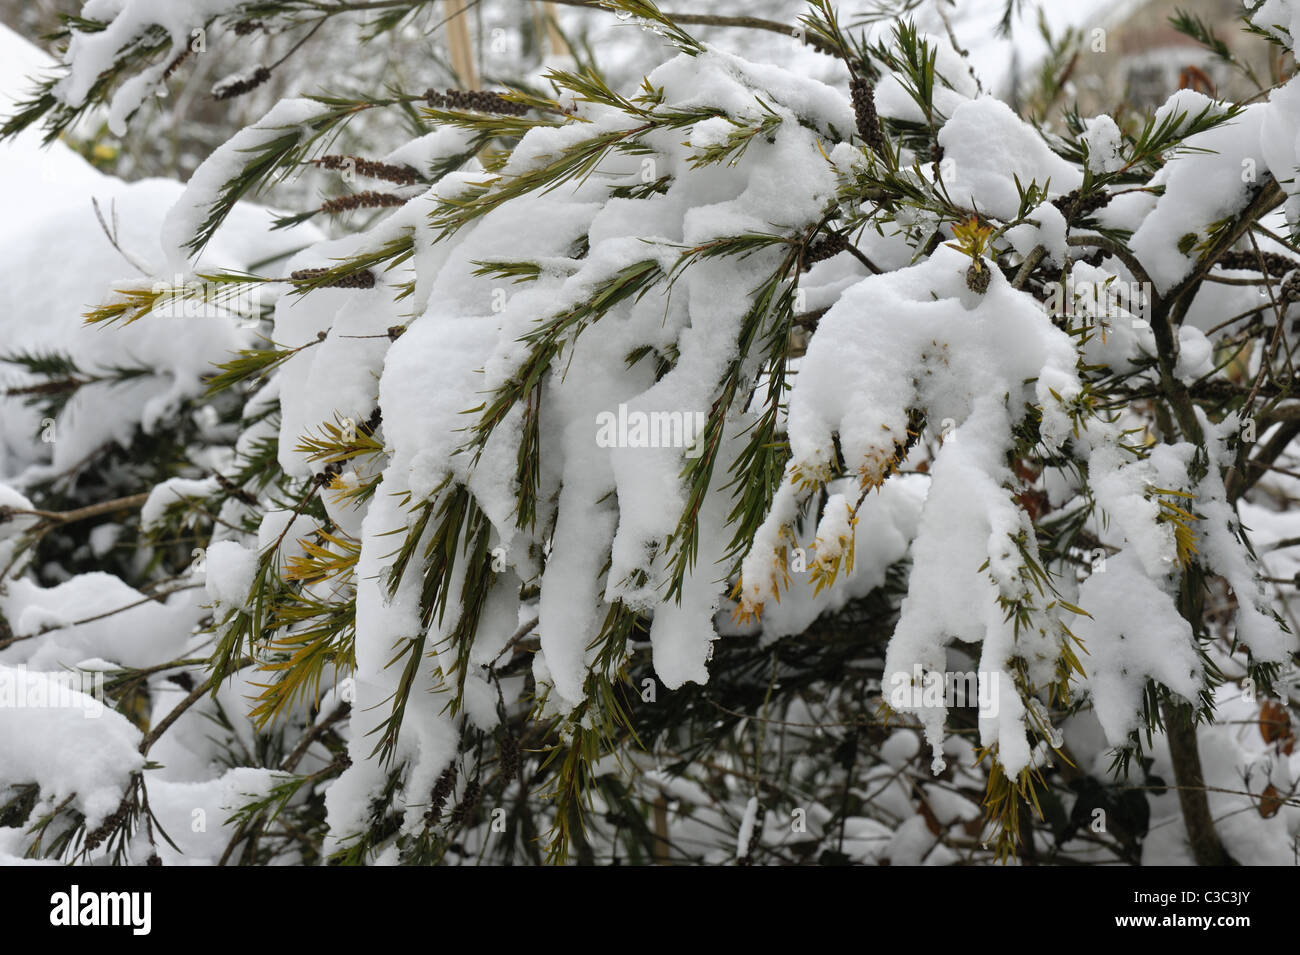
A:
<point x="1115" y="56"/>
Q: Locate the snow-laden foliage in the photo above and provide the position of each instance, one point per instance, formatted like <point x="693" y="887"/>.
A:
<point x="647" y="409"/>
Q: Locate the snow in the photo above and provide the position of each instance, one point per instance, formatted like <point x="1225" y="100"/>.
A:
<point x="915" y="344"/>
<point x="228" y="573"/>
<point x="990" y="147"/>
<point x="1104" y="145"/>
<point x="746" y="827"/>
<point x="91" y="54"/>
<point x="1201" y="188"/>
<point x="185" y="218"/>
<point x="1234" y="758"/>
<point x="885" y="525"/>
<point x="172" y="492"/>
<point x="1281" y="18"/>
<point x="71" y="611"/>
<point x="1279" y="138"/>
<point x="197" y="815"/>
<point x="1047" y="228"/>
<point x="70" y="755"/>
<point x="48" y="195"/>
<point x="1120" y="659"/>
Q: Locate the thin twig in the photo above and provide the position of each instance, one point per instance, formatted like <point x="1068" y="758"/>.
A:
<point x="519" y="634"/>
<point x="318" y="729"/>
<point x="194" y="696"/>
<point x="82" y="513"/>
<point x="152" y="598"/>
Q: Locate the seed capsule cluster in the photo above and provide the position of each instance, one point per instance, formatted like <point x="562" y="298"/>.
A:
<point x="1074" y="206"/>
<point x="335" y="468"/>
<point x="240" y="87"/>
<point x="474" y="101"/>
<point x="825" y="247"/>
<point x="468" y="803"/>
<point x="120" y="817"/>
<point x="864" y="114"/>
<point x="1290" y="291"/>
<point x="1274" y="263"/>
<point x="361" y="200"/>
<point x="936" y="154"/>
<point x="363" y="279"/>
<point x="977" y="279"/>
<point x="330" y="471"/>
<point x="401" y="175"/>
<point x="441" y="790"/>
<point x="171" y="67"/>
<point x="509" y="757"/>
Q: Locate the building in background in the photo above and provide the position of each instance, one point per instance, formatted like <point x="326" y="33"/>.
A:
<point x="1145" y="59"/>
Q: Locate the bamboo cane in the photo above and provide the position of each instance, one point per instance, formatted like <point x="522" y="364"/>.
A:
<point x="554" y="38"/>
<point x="458" y="40"/>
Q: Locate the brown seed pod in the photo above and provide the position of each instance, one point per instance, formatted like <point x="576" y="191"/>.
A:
<point x="441" y="790"/>
<point x="474" y="101"/>
<point x="1271" y="263"/>
<point x="361" y="200"/>
<point x="240" y="87"/>
<point x="509" y="757"/>
<point x="362" y="279"/>
<point x="400" y="175"/>
<point x="1074" y="206"/>
<point x="865" y="116"/>
<point x="464" y="812"/>
<point x="825" y="247"/>
<point x="171" y="67"/>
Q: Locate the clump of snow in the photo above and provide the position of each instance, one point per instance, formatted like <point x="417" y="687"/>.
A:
<point x="46" y="737"/>
<point x="1104" y="144"/>
<point x="1133" y="633"/>
<point x="990" y="147"/>
<point x="1047" y="227"/>
<point x="1201" y="188"/>
<point x="228" y="573"/>
<point x="96" y="615"/>
<point x="172" y="492"/>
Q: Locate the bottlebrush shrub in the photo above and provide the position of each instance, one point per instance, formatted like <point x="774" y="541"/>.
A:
<point x="971" y="398"/>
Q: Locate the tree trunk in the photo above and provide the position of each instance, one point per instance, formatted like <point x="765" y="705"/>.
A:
<point x="1192" y="797"/>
